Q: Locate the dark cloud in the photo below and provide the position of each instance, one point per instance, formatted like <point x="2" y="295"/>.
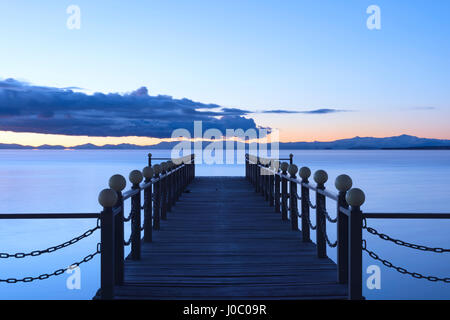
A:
<point x="423" y="108"/>
<point x="317" y="111"/>
<point x="28" y="108"/>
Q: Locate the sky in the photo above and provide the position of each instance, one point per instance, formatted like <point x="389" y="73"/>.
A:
<point x="136" y="70"/>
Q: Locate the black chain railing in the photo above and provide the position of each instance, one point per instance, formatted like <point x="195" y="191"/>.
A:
<point x="58" y="272"/>
<point x="35" y="253"/>
<point x="401" y="270"/>
<point x="127" y="243"/>
<point x="130" y="216"/>
<point x="325" y="235"/>
<point x="401" y="242"/>
<point x="313" y="227"/>
<point x="331" y="220"/>
<point x="312" y="206"/>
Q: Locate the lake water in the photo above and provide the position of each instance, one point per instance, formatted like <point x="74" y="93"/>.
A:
<point x="69" y="181"/>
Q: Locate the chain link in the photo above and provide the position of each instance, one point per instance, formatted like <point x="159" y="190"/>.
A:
<point x="329" y="218"/>
<point x="132" y="214"/>
<point x="129" y="217"/>
<point x="58" y="272"/>
<point x="330" y="244"/>
<point x="35" y="253"/>
<point x="401" y="242"/>
<point x="310" y="224"/>
<point x="127" y="243"/>
<point x="401" y="270"/>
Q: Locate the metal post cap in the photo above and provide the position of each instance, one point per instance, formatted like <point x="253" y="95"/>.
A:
<point x="293" y="169"/>
<point x="149" y="155"/>
<point x="355" y="197"/>
<point x="343" y="183"/>
<point x="305" y="173"/>
<point x="147" y="172"/>
<point x="177" y="161"/>
<point x="136" y="177"/>
<point x="156" y="169"/>
<point x="117" y="182"/>
<point x="320" y="176"/>
<point x="107" y="198"/>
<point x="284" y="166"/>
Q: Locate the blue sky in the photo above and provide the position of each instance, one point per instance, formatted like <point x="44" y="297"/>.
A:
<point x="254" y="55"/>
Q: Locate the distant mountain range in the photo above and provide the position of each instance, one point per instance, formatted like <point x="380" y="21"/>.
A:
<point x="398" y="142"/>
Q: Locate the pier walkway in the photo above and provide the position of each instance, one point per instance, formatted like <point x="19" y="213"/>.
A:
<point x="222" y="241"/>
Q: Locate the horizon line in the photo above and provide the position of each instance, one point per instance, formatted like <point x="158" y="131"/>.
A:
<point x="170" y="140"/>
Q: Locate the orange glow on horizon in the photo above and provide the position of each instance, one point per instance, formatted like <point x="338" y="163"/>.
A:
<point x="286" y="135"/>
<point x="38" y="139"/>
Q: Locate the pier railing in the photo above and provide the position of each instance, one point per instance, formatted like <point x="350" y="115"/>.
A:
<point x="154" y="191"/>
<point x="278" y="182"/>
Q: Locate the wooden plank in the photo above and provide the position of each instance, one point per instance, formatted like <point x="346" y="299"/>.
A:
<point x="223" y="241"/>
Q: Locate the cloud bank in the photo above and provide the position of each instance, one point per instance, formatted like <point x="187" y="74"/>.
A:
<point x="37" y="109"/>
<point x="317" y="111"/>
<point x="49" y="110"/>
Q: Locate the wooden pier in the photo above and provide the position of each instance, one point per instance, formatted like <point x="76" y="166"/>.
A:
<point x="222" y="241"/>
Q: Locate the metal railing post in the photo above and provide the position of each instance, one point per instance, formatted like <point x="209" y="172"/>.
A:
<point x="258" y="176"/>
<point x="305" y="173"/>
<point x="293" y="197"/>
<point x="320" y="177"/>
<point x="175" y="184"/>
<point x="355" y="198"/>
<point x="271" y="185"/>
<point x="169" y="187"/>
<point x="284" y="195"/>
<point x="180" y="180"/>
<point x="277" y="187"/>
<point x="193" y="167"/>
<point x="163" y="191"/>
<point x="136" y="178"/>
<point x="107" y="199"/>
<point x="343" y="183"/>
<point x="246" y="166"/>
<point x="255" y="173"/>
<point x="252" y="171"/>
<point x="262" y="172"/>
<point x="148" y="214"/>
<point x="157" y="201"/>
<point x="267" y="180"/>
<point x="265" y="188"/>
<point x="118" y="183"/>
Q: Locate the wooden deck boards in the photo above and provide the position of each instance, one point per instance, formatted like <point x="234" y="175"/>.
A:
<point x="222" y="241"/>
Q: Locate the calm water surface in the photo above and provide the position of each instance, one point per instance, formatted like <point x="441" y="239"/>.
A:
<point x="69" y="181"/>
